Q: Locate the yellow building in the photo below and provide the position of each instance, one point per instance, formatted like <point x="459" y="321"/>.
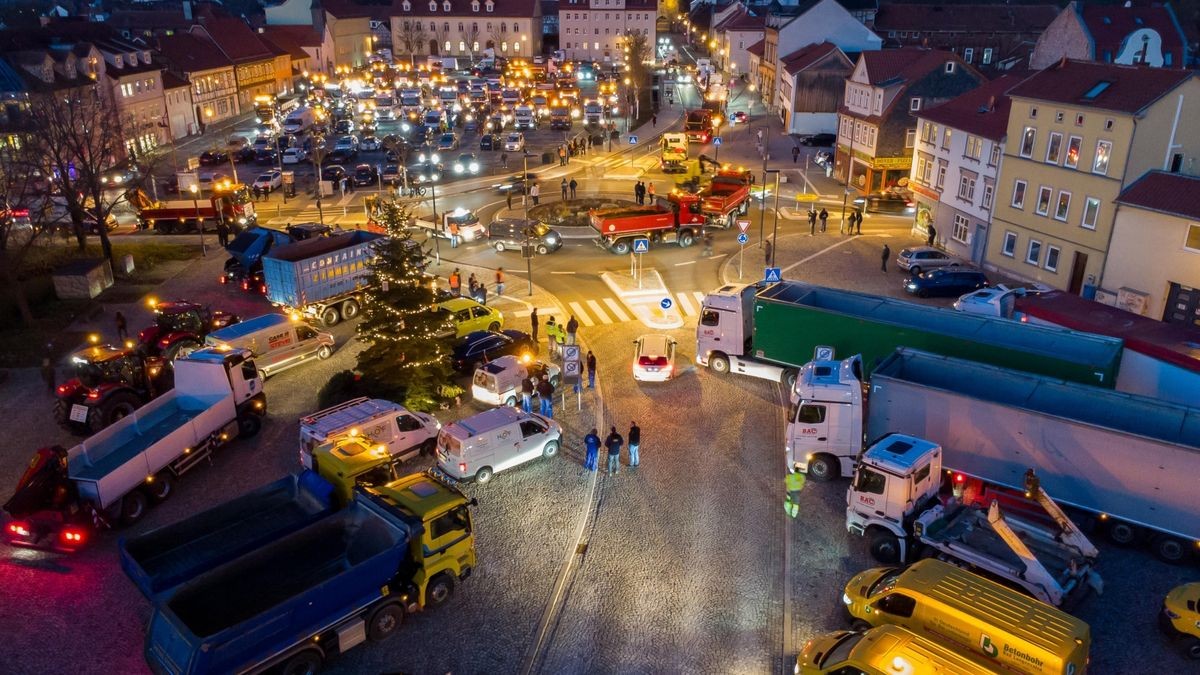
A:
<point x="1079" y="132"/>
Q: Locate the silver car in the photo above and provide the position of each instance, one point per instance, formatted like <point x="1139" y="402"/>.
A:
<point x="922" y="258"/>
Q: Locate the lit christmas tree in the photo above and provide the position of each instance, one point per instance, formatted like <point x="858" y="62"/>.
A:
<point x="407" y="357"/>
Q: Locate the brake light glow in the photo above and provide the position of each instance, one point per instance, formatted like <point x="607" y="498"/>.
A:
<point x="62" y="388"/>
<point x="222" y="279"/>
<point x="71" y="536"/>
<point x="959" y="478"/>
<point x="18" y="529"/>
<point x="462" y="466"/>
<point x="245" y="285"/>
<point x="94" y="394"/>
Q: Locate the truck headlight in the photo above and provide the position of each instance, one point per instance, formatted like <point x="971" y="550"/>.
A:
<point x="846" y="599"/>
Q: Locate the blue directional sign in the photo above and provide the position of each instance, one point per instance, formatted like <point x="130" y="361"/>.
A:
<point x="632" y="140"/>
<point x="666" y="303"/>
<point x="717" y="140"/>
<point x="641" y="245"/>
<point x="743" y="238"/>
<point x="773" y="274"/>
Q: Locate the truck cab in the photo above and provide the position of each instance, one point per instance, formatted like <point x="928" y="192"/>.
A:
<point x="524" y="118"/>
<point x="896" y="479"/>
<point x="825" y="419"/>
<point x="726" y="329"/>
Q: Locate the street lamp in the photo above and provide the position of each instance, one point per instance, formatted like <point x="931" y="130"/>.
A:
<point x="775" y="227"/>
<point x="195" y="190"/>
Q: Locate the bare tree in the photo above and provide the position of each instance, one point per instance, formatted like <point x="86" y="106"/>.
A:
<point x="28" y="216"/>
<point x="411" y="37"/>
<point x="637" y="51"/>
<point x="472" y="37"/>
<point x="79" y="136"/>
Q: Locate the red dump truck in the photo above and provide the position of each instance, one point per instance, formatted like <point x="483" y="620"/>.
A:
<point x="228" y="202"/>
<point x="660" y="223"/>
<point x="727" y="197"/>
<point x="698" y="126"/>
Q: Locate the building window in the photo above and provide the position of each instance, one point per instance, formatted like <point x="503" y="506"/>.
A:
<point x="941" y="176"/>
<point x="987" y="56"/>
<point x="1091" y="212"/>
<point x="949" y="67"/>
<point x="988" y="189"/>
<point x="433" y="5"/>
<point x="994" y="160"/>
<point x="1033" y="255"/>
<point x="1033" y="112"/>
<point x="1009" y="247"/>
<point x="1103" y="153"/>
<point x="946" y="136"/>
<point x="1054" y="148"/>
<point x="1027" y="139"/>
<point x="1079" y="120"/>
<point x="914" y="103"/>
<point x="1063" y="206"/>
<point x="974" y="147"/>
<point x="462" y="46"/>
<point x="966" y="187"/>
<point x="910" y="138"/>
<point x="446" y="6"/>
<point x="961" y="229"/>
<point x="489" y="5"/>
<point x="447" y="45"/>
<point x="968" y="54"/>
<point x="1052" y="254"/>
<point x="1072" y="159"/>
<point x="1058" y="116"/>
<point x="1018" y="198"/>
<point x="1108" y="125"/>
<point x="1192" y="242"/>
<point x="1043" y="203"/>
<point x="474" y="5"/>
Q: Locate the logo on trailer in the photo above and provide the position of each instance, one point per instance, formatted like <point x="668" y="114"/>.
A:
<point x="988" y="647"/>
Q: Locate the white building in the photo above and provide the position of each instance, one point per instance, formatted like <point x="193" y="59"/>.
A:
<point x="736" y="29"/>
<point x="591" y="29"/>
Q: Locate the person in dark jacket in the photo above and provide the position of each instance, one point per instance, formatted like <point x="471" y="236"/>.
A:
<point x="572" y="328"/>
<point x="824" y="216"/>
<point x="527" y="394"/>
<point x="533" y="325"/>
<point x="592" y="442"/>
<point x="591" y="369"/>
<point x="545" y="392"/>
<point x="635" y="443"/>
<point x="614" y="443"/>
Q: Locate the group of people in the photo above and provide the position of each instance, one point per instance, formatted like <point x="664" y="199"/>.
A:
<point x="545" y="392"/>
<point x="476" y="289"/>
<point x="642" y="191"/>
<point x="813" y="216"/>
<point x="853" y="222"/>
<point x="612" y="444"/>
<point x="557" y="334"/>
<point x="568" y="188"/>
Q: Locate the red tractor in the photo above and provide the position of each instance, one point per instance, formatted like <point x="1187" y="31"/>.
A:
<point x="108" y="384"/>
<point x="180" y="327"/>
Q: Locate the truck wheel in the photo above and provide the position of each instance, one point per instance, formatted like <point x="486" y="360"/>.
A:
<point x="483" y="475"/>
<point x="719" y="364"/>
<point x="161" y="487"/>
<point x="307" y="662"/>
<point x="823" y="468"/>
<point x="179" y="350"/>
<point x="743" y="208"/>
<point x="117" y="408"/>
<point x="511" y="401"/>
<point x="1193" y="650"/>
<point x="788" y="379"/>
<point x="330" y="317"/>
<point x="349" y="309"/>
<point x="384" y="621"/>
<point x="686" y="239"/>
<point x="133" y="507"/>
<point x="885" y="547"/>
<point x="551" y="449"/>
<point x="62" y="412"/>
<point x="439" y="590"/>
<point x="1169" y="550"/>
<point x="620" y="247"/>
<point x="494" y="326"/>
<point x="1122" y="534"/>
<point x="249" y="425"/>
<point x="324" y="352"/>
<point x="499" y="247"/>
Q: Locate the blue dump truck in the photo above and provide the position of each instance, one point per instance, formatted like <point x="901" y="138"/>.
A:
<point x="280" y="580"/>
<point x="322" y="278"/>
<point x="244" y="266"/>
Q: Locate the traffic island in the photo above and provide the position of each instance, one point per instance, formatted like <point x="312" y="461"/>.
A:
<point x="647" y="297"/>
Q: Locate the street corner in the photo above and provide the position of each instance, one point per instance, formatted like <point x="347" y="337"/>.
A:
<point x="647" y="296"/>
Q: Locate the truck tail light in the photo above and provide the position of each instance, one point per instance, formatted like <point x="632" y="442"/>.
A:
<point x="94" y="394"/>
<point x="221" y="279"/>
<point x="462" y="467"/>
<point x="72" y="536"/>
<point x="62" y="389"/>
<point x="245" y="285"/>
<point x="960" y="478"/>
<point x="18" y="529"/>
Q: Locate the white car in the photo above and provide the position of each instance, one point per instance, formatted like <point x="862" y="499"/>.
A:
<point x="514" y="142"/>
<point x="294" y="156"/>
<point x="653" y="358"/>
<point x="369" y="144"/>
<point x="271" y="180"/>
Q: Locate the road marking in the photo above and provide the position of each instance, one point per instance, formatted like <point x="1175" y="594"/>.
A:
<point x="699" y="298"/>
<point x="568" y="272"/>
<point x="689" y="262"/>
<point x="580" y="314"/>
<point x="616" y="309"/>
<point x="823" y="251"/>
<point x="600" y="315"/>
<point x="685" y="304"/>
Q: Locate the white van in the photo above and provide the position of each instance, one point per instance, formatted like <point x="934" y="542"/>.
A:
<point x="499" y="439"/>
<point x="524" y="118"/>
<point x="278" y="343"/>
<point x="405" y="433"/>
<point x="499" y="382"/>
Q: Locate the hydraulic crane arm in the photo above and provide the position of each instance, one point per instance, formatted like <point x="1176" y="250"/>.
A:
<point x="1070" y="535"/>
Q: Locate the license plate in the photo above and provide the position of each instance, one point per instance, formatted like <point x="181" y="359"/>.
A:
<point x="79" y="413"/>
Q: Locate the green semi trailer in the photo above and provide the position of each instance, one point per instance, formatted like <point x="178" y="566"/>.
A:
<point x="770" y="331"/>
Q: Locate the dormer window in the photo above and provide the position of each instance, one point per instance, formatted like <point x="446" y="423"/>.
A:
<point x="146" y="57"/>
<point x="433" y="5"/>
<point x="489" y="5"/>
<point x="407" y="6"/>
<point x="446" y="5"/>
<point x="949" y="67"/>
<point x="475" y="5"/>
<point x="119" y="61"/>
<point x="70" y="68"/>
<point x="914" y="103"/>
<point x="133" y="59"/>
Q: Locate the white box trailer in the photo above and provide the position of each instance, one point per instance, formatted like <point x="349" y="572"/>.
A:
<point x="1129" y="461"/>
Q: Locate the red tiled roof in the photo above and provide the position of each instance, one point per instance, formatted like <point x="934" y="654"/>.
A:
<point x="1113" y="87"/>
<point x="237" y="40"/>
<point x="906" y="63"/>
<point x="1110" y="26"/>
<point x="806" y="56"/>
<point x="344" y="9"/>
<point x="1170" y="193"/>
<point x="190" y="52"/>
<point x="758" y="48"/>
<point x="983" y="111"/>
<point x="741" y="19"/>
<point x="291" y="39"/>
<point x="964" y="18"/>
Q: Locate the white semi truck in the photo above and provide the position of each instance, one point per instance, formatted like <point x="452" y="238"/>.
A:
<point x="1120" y="463"/>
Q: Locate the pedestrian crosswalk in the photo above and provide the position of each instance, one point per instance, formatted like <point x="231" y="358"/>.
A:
<point x="606" y="310"/>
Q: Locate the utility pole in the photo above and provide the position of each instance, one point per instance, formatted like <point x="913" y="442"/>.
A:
<point x="762" y="216"/>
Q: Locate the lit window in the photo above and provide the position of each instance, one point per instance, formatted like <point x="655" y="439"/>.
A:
<point x="1072" y="158"/>
<point x="1027" y="139"/>
<point x="1052" y="255"/>
<point x="1063" y="207"/>
<point x="1103" y="154"/>
<point x="1054" y="148"/>
<point x="1045" y="194"/>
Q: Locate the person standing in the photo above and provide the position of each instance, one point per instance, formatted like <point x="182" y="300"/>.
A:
<point x="482" y="293"/>
<point x="635" y="443"/>
<point x="858" y="217"/>
<point x="637" y="192"/>
<point x="545" y="392"/>
<point x="499" y="281"/>
<point x="551" y="330"/>
<point x="504" y="160"/>
<point x="650" y="191"/>
<point x="455" y="283"/>
<point x="614" y="443"/>
<point x="932" y="235"/>
<point x="122" y="326"/>
<point x="824" y="216"/>
<point x="812" y="220"/>
<point x="508" y="199"/>
<point x="454" y="237"/>
<point x="533" y="326"/>
<point x="222" y="233"/>
<point x="535" y="192"/>
<point x="887" y="253"/>
<point x="560" y="338"/>
<point x="573" y="184"/>
<point x="591" y="369"/>
<point x="767" y="253"/>
<point x="527" y="394"/>
<point x="592" y="443"/>
<point x="563" y="185"/>
<point x="795" y="153"/>
<point x="572" y="328"/>
<point x="654" y="120"/>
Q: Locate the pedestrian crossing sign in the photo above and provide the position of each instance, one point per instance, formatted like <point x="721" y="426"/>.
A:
<point x="717" y="140"/>
<point x="773" y="274"/>
<point x="641" y="245"/>
<point x="633" y="140"/>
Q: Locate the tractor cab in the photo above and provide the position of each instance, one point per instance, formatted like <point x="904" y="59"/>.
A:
<point x="107" y="383"/>
<point x="179" y="328"/>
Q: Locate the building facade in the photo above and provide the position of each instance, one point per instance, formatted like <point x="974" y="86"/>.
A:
<point x="134" y="84"/>
<point x="811" y="84"/>
<point x="195" y="58"/>
<point x="592" y="29"/>
<point x="181" y="114"/>
<point x="736" y="30"/>
<point x="1146" y="34"/>
<point x="990" y="37"/>
<point x="468" y="28"/>
<point x="253" y="61"/>
<point x="1078" y="133"/>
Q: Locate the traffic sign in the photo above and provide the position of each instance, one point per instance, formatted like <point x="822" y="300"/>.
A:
<point x="716" y="140"/>
<point x="665" y="304"/>
<point x="570" y="371"/>
<point x="743" y="238"/>
<point x="773" y="274"/>
<point x="632" y="140"/>
<point x="823" y="353"/>
<point x="641" y="245"/>
<point x="807" y="197"/>
<point x="743" y="225"/>
<point x="570" y="352"/>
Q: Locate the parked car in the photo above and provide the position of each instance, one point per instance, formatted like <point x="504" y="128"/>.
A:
<point x="495" y="440"/>
<point x="333" y="172"/>
<point x="468" y="316"/>
<point x="945" y="282"/>
<point x="822" y="158"/>
<point x="516" y="183"/>
<point x="514" y="142"/>
<point x="245" y="154"/>
<point x="921" y="258"/>
<point x="266" y="156"/>
<point x="391" y="174"/>
<point x="653" y="358"/>
<point x="364" y="174"/>
<point x="509" y="234"/>
<point x="489" y="142"/>
<point x="345" y="126"/>
<point x="466" y="164"/>
<point x="481" y="346"/>
<point x="900" y="203"/>
<point x="294" y="155"/>
<point x="341" y="155"/>
<point x="739" y="117"/>
<point x="92" y="224"/>
<point x="213" y="157"/>
<point x="270" y="181"/>
<point x="448" y="141"/>
<point x="369" y="144"/>
<point x="820" y="140"/>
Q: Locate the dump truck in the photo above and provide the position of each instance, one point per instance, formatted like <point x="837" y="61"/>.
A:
<point x="660" y="223"/>
<point x="179" y="328"/>
<point x="322" y="278"/>
<point x="560" y="118"/>
<point x="727" y="196"/>
<point x="770" y="330"/>
<point x="244" y="266"/>
<point x="227" y="203"/>
<point x="114" y="476"/>
<point x="897" y="496"/>
<point x="290" y="595"/>
<point x="1119" y="464"/>
<point x="673" y="152"/>
<point x="109" y="382"/>
<point x="698" y="125"/>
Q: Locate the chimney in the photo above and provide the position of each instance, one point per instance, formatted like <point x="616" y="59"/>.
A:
<point x="187" y="10"/>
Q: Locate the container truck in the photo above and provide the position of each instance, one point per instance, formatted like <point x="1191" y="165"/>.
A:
<point x="660" y="223"/>
<point x="1160" y="359"/>
<point x="115" y="475"/>
<point x="1121" y="464"/>
<point x="293" y="598"/>
<point x="770" y="330"/>
<point x="323" y="277"/>
<point x="244" y="266"/>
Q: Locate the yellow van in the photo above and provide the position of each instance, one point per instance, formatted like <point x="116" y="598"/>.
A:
<point x="887" y="650"/>
<point x="955" y="607"/>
